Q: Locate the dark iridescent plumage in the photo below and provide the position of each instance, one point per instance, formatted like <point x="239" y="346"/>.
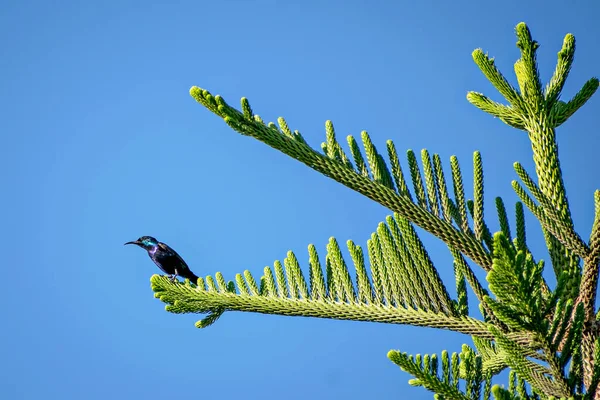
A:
<point x="165" y="258"/>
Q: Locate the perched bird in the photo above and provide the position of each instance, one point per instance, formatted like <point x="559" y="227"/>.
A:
<point x="166" y="258"/>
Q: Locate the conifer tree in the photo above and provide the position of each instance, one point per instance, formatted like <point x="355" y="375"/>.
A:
<point x="547" y="337"/>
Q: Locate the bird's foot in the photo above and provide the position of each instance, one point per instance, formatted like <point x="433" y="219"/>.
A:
<point x="173" y="278"/>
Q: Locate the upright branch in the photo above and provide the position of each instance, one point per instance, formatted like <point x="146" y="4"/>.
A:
<point x="539" y="112"/>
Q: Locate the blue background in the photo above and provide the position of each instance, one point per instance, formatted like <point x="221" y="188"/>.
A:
<point x="101" y="144"/>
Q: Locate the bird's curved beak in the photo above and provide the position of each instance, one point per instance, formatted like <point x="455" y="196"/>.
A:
<point x="134" y="242"/>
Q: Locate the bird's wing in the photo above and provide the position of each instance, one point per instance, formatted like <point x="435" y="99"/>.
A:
<point x="165" y="247"/>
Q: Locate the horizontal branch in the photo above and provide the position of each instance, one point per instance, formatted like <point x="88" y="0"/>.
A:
<point x="184" y="298"/>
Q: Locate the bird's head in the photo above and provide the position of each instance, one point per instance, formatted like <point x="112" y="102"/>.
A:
<point x="145" y="242"/>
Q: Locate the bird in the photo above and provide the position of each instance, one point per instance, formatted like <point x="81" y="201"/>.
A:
<point x="165" y="258"/>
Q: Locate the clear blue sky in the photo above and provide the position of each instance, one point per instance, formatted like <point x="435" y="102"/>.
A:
<point x="101" y="143"/>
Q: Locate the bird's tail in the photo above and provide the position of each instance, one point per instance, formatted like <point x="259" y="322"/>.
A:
<point x="191" y="276"/>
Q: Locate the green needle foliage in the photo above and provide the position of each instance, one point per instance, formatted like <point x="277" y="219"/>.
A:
<point x="546" y="337"/>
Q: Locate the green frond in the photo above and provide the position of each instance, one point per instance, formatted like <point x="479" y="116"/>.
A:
<point x="424" y="377"/>
<point x="182" y="298"/>
<point x="526" y="67"/>
<point x="335" y="151"/>
<point x="341" y="275"/>
<point x="481" y="230"/>
<point x="478" y="220"/>
<point x="379" y="170"/>
<point x="283" y="127"/>
<point x="488" y="67"/>
<point x="210" y="318"/>
<point x="442" y="188"/>
<point x="210" y="284"/>
<point x="296" y="283"/>
<point x="493" y="361"/>
<point x="359" y="161"/>
<point x="566" y="235"/>
<point x="471" y="369"/>
<point x="446" y="368"/>
<point x="506" y="114"/>
<point x="402" y="290"/>
<point x="417" y="180"/>
<point x="535" y="374"/>
<point x="430" y="183"/>
<point x="563" y="67"/>
<point x="503" y="217"/>
<point x="467" y="272"/>
<point x="459" y="195"/>
<point x="381" y="263"/>
<point x="507" y="314"/>
<point x="455" y="365"/>
<point x="405" y="288"/>
<point x="268" y="283"/>
<point x="559" y="260"/>
<point x="365" y="290"/>
<point x="462" y="303"/>
<point x="397" y="170"/>
<point x="521" y="240"/>
<point x="466" y="366"/>
<point x="280" y="279"/>
<point x="318" y="290"/>
<point x="517" y="283"/>
<point x="246" y="109"/>
<point x="252" y="286"/>
<point x="433" y="286"/>
<point x="562" y="111"/>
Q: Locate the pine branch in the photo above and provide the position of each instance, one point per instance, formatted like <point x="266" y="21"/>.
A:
<point x="521" y="239"/>
<point x="563" y="66"/>
<point x="503" y="217"/>
<point x="442" y="188"/>
<point x="379" y="188"/>
<point x="516" y="281"/>
<point x="488" y="67"/>
<point x="562" y="111"/>
<point x="459" y="194"/>
<point x="539" y="114"/>
<point x="481" y="230"/>
<point x="547" y="214"/>
<point x="526" y="69"/>
<point x="535" y="374"/>
<point x="506" y="114"/>
<point x="430" y="183"/>
<point x="425" y="378"/>
<point x="182" y="298"/>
